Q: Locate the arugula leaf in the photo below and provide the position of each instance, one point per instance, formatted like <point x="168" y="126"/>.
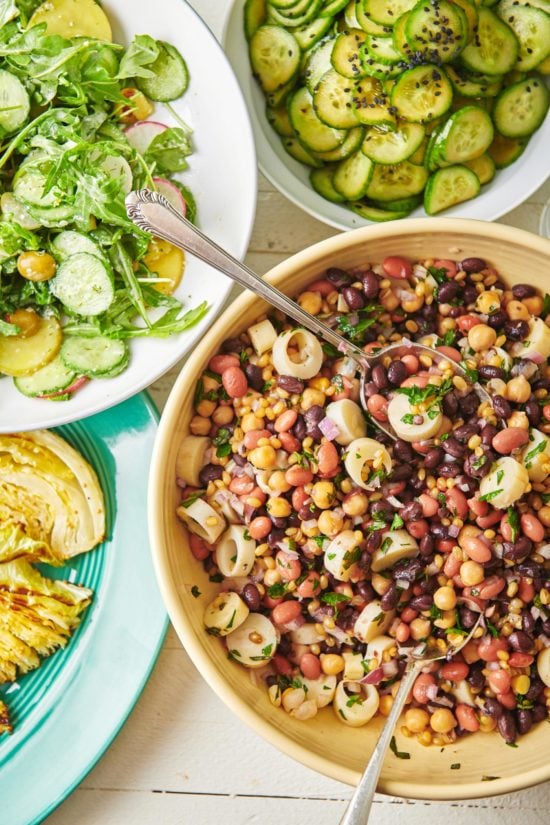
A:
<point x="8" y="11"/>
<point x="142" y="51"/>
<point x="168" y="151"/>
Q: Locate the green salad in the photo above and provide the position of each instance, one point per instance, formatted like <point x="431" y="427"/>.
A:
<point x="78" y="279"/>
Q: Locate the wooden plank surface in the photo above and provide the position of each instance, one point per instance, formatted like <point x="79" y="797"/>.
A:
<point x="174" y="761"/>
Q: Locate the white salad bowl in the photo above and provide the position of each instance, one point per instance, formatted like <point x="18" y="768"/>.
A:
<point x="508" y="189"/>
<point x="222" y="177"/>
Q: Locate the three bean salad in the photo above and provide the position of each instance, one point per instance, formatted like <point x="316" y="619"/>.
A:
<point x="339" y="550"/>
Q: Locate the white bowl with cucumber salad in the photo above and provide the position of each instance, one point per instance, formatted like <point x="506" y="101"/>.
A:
<point x="91" y="311"/>
<point x="370" y="89"/>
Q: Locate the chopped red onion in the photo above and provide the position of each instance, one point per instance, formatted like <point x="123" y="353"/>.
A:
<point x="431" y="691"/>
<point x="181" y="483"/>
<point x="329" y="428"/>
<point x="544" y="551"/>
<point x="404" y="584"/>
<point x="536" y="613"/>
<point x="348" y="368"/>
<point x="545" y="640"/>
<point x="390" y="669"/>
<point x="394" y="502"/>
<point x="374" y="677"/>
<point x="293" y="625"/>
<point x="406" y="342"/>
<point x="342" y="347"/>
<point x="453" y="530"/>
<point x="493" y="665"/>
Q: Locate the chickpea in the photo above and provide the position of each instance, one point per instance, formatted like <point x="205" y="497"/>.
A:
<point x="481" y="337"/>
<point x="251" y="422"/>
<point x="222" y="416"/>
<point x="389" y="299"/>
<point x="319" y="383"/>
<point x="312" y="397"/>
<point x="199" y="425"/>
<point x="206" y="408"/>
<point x="36" y="266"/>
<point x="330" y="523"/>
<point x="471" y="573"/>
<point x="413" y="305"/>
<point x="518" y="419"/>
<point x="445" y="598"/>
<point x="487" y="302"/>
<point x="544" y="515"/>
<point x="517" y="311"/>
<point x="443" y="721"/>
<point x="534" y="304"/>
<point x="518" y="389"/>
<point x="322" y="494"/>
<point x="386" y="704"/>
<point x="420" y="628"/>
<point x="417" y="719"/>
<point x="332" y="663"/>
<point x="487" y="724"/>
<point x="311" y="302"/>
<point x="278" y="482"/>
<point x="263" y="457"/>
<point x="27" y="320"/>
<point x="278" y="507"/>
<point x="356" y="505"/>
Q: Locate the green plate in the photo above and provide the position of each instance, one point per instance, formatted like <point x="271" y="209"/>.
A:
<point x="66" y="713"/>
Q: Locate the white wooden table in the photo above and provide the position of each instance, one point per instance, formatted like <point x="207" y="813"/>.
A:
<point x="183" y="758"/>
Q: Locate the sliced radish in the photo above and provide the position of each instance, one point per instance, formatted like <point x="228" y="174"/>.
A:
<point x="76" y="385"/>
<point x="171" y="193"/>
<point x="140" y="135"/>
<point x="118" y="167"/>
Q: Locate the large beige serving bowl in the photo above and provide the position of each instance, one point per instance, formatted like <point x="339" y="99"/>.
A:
<point x="324" y="743"/>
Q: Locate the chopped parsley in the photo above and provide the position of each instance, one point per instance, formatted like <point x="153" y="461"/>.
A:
<point x="195" y="592"/>
<point x="277" y="590"/>
<point x="490" y="496"/>
<point x="397" y="522"/>
<point x="330" y="350"/>
<point x="399" y="754"/>
<point x="356" y="699"/>
<point x="380" y="618"/>
<point x="221" y="442"/>
<point x="338" y="382"/>
<point x="320" y="540"/>
<point x="500" y="476"/>
<point x="266" y="654"/>
<point x="232" y="619"/>
<point x="334" y="599"/>
<point x="187" y="502"/>
<point x="449" y="338"/>
<point x="486" y="778"/>
<point x="438" y="274"/>
<point x="471" y="375"/>
<point x="455" y="766"/>
<point x="408" y="418"/>
<point x="364" y="320"/>
<point x="376" y="525"/>
<point x="540" y="448"/>
<point x="351" y="557"/>
<point x="386" y="544"/>
<point x="492" y="629"/>
<point x="513" y="521"/>
<point x="545" y="306"/>
<point x="216" y="577"/>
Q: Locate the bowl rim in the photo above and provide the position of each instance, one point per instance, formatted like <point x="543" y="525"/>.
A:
<point x="169" y="592"/>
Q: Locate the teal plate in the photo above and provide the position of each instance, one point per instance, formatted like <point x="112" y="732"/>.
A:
<point x="67" y="713"/>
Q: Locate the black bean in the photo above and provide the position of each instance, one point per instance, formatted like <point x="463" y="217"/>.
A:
<point x="402" y="473"/>
<point x="254" y="376"/>
<point x="239" y="460"/>
<point x="541" y="384"/>
<point x="456" y="312"/>
<point x="232" y="345"/>
<point x="465" y="431"/>
<point x="532" y="411"/>
<point x="469" y="404"/>
<point x="528" y="622"/>
<point x="520" y="641"/>
<point x="371" y="389"/>
<point x="473" y="264"/>
<point x="501" y="407"/>
<point x="426" y="545"/>
<point x="290" y="384"/>
<point x="338" y="277"/>
<point x="433" y="458"/>
<point x="379" y="376"/>
<point x="210" y="472"/>
<point x="421" y="602"/>
<point x="439" y="531"/>
<point x="488" y="432"/>
<point x="524" y="720"/>
<point x="251" y="596"/>
<point x="417" y="484"/>
<point x="493" y="708"/>
<point x="411" y="511"/>
<point x="477" y="466"/>
<point x="531" y="569"/>
<point x="390" y="598"/>
<point x="299" y="430"/>
<point x="365" y="590"/>
<point x="539" y="713"/>
<point x="429" y="312"/>
<point x="408" y="570"/>
<point x="469" y="294"/>
<point x="449" y="469"/>
<point x="313" y="416"/>
<point x="468" y="617"/>
<point x="497" y="319"/>
<point x="488" y="372"/>
<point x="453" y="447"/>
<point x="506" y="725"/>
<point x="403" y="451"/>
<point x="280" y="523"/>
<point x="514" y="551"/>
<point x="516" y="330"/>
<point x="447" y="292"/>
<point x="450" y="404"/>
<point x="382" y="509"/>
<point x="521" y="291"/>
<point x="397" y="373"/>
<point x="475" y="677"/>
<point x="371" y="284"/>
<point x="308" y="512"/>
<point x="546" y="627"/>
<point x="353" y="298"/>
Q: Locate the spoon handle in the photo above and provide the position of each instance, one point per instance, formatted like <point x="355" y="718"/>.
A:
<point x="360" y="804"/>
<point x="153" y="213"/>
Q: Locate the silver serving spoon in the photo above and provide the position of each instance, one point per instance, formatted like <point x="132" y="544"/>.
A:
<point x="153" y="213"/>
<point x="357" y="812"/>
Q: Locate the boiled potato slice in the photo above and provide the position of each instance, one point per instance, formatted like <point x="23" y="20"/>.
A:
<point x="22" y="355"/>
<point x="73" y="18"/>
<point x="166" y="261"/>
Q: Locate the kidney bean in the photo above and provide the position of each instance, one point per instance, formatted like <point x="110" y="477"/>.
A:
<point x="509" y="439"/>
<point x="491" y="587"/>
<point x="353" y="298"/>
<point x="516" y="330"/>
<point x="328" y="459"/>
<point x="198" y="547"/>
<point x="397" y="267"/>
<point x="411" y="363"/>
<point x="492" y="708"/>
<point x="526" y="591"/>
<point x="524" y="719"/>
<point x="370" y="389"/>
<point x="260" y="527"/>
<point x="252" y="437"/>
<point x="506" y="726"/>
<point x="379" y="377"/>
<point x="466" y="322"/>
<point x="371" y="284"/>
<point x="421" y="685"/>
<point x="338" y="277"/>
<point x="221" y="363"/>
<point x="447" y="292"/>
<point x="532" y="527"/>
<point x="310" y="587"/>
<point x="489" y="647"/>
<point x="499" y="681"/>
<point x="489" y="520"/>
<point x="539" y="713"/>
<point x="290" y="384"/>
<point x="251" y="596"/>
<point x="286" y="612"/>
<point x="310" y="666"/>
<point x="476" y="549"/>
<point x="497" y="319"/>
<point x="455" y="671"/>
<point x="282" y="665"/>
<point x="298" y="476"/>
<point x="457" y="502"/>
<point x="419" y="603"/>
<point x="451" y="566"/>
<point x="521" y="291"/>
<point x="488" y="372"/>
<point x="285" y="421"/>
<point x="241" y="485"/>
<point x="234" y="381"/>
<point x="429" y="505"/>
<point x="532" y="411"/>
<point x="507" y="700"/>
<point x="466" y="717"/>
<point x="479" y="508"/>
<point x="377" y="405"/>
<point x="418" y="528"/>
<point x="473" y="265"/>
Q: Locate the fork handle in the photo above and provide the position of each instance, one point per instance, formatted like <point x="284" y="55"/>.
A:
<point x="358" y="810"/>
<point x="153" y="213"/>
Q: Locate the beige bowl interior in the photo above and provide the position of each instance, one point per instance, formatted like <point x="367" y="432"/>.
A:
<point x="324" y="743"/>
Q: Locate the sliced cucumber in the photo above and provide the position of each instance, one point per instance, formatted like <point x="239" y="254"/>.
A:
<point x="279" y="120"/>
<point x="505" y="151"/>
<point x="95" y="357"/>
<point x="367" y="24"/>
<point x="450" y="186"/>
<point x="14" y="102"/>
<point x="171" y="77"/>
<point x="13" y="210"/>
<point x="544" y="67"/>
<point x="346" y="54"/>
<point x="386" y="12"/>
<point x="332" y="8"/>
<point x="321" y="181"/>
<point x="382" y="49"/>
<point x="372" y="104"/>
<point x="389" y="183"/>
<point x="376" y="214"/>
<point x="54" y="377"/>
<point x="29" y="184"/>
<point x="275" y="57"/>
<point x="419" y="156"/>
<point x="295" y="21"/>
<point x="382" y="146"/>
<point x="521" y="108"/>
<point x="333" y="101"/>
<point x="438" y="29"/>
<point x="494" y="49"/>
<point x="352" y="142"/>
<point x="84" y="284"/>
<point x="350" y="18"/>
<point x="295" y="9"/>
<point x="402" y="205"/>
<point x="480" y="86"/>
<point x="422" y="94"/>
<point x="280" y="95"/>
<point x="483" y="167"/>
<point x="69" y="243"/>
<point x="309" y="35"/>
<point x="298" y="152"/>
<point x="318" y="63"/>
<point x="352" y="176"/>
<point x="467" y="134"/>
<point x="470" y="12"/>
<point x="288" y="4"/>
<point x="53" y="217"/>
<point x="375" y="68"/>
<point x="311" y="131"/>
<point x="255" y="14"/>
<point x="532" y="29"/>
